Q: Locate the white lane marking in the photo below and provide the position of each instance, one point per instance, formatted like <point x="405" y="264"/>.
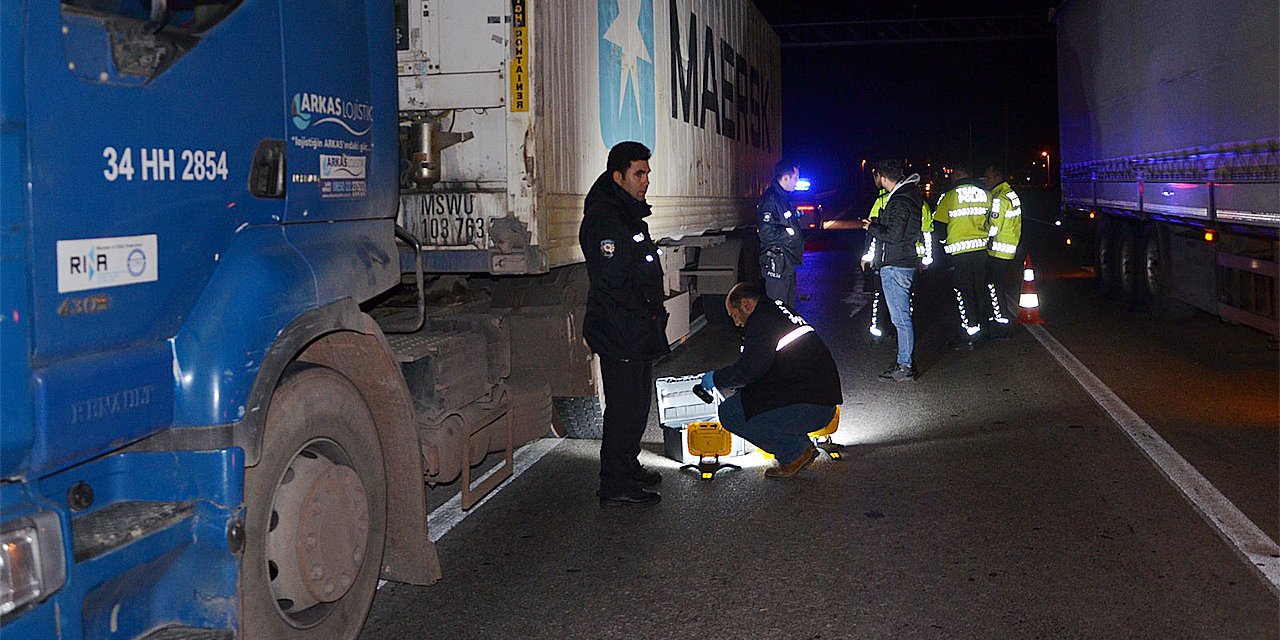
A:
<point x="449" y="514"/>
<point x="859" y="297"/>
<point x="1249" y="541"/>
<point x="857" y="302"/>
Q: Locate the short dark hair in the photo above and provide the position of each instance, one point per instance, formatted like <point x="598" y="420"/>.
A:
<point x="889" y="168"/>
<point x="784" y="167"/>
<point x="624" y="153"/>
<point x="963" y="167"/>
<point x="745" y="291"/>
<point x="998" y="169"/>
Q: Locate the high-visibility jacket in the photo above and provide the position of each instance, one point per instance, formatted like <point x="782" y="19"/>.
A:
<point x="1006" y="222"/>
<point x="924" y="248"/>
<point x="965" y="209"/>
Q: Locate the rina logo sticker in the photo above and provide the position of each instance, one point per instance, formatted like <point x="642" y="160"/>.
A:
<point x="98" y="263"/>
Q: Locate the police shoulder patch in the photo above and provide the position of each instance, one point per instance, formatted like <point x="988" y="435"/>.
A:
<point x="607" y="248"/>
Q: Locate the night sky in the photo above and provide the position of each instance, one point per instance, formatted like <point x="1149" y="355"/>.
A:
<point x="924" y="102"/>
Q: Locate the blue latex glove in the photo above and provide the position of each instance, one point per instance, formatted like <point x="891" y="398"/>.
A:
<point x="709" y="380"/>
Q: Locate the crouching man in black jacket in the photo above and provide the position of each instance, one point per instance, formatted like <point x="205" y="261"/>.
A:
<point x="787" y="381"/>
<point x="626" y="323"/>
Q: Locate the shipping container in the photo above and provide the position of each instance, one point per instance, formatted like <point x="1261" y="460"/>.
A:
<point x="699" y="83"/>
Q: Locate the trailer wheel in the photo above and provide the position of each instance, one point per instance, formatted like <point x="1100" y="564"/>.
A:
<point x="315" y="513"/>
<point x="1130" y="265"/>
<point x="578" y="417"/>
<point x="1105" y="257"/>
<point x="1158" y="277"/>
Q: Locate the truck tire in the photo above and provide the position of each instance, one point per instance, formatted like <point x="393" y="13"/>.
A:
<point x="1130" y="266"/>
<point x="578" y="417"/>
<point x="315" y="513"/>
<point x="1105" y="263"/>
<point x="1158" y="277"/>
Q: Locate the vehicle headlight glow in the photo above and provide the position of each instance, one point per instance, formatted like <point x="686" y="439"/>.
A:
<point x="32" y="565"/>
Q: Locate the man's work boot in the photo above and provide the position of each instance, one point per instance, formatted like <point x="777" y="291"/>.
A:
<point x="793" y="467"/>
<point x="898" y="373"/>
<point x="647" y="477"/>
<point x="633" y="498"/>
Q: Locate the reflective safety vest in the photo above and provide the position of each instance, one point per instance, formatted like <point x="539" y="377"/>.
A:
<point x="965" y="210"/>
<point x="924" y="248"/>
<point x="1006" y="222"/>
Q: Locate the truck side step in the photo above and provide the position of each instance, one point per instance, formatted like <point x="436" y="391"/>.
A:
<point x="115" y="526"/>
<point x="189" y="633"/>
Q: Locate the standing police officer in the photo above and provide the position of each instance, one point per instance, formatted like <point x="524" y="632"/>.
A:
<point x="626" y="322"/>
<point x="965" y="209"/>
<point x="1005" y="232"/>
<point x="781" y="244"/>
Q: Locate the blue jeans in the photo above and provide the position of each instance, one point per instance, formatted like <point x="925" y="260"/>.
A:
<point x="784" y="431"/>
<point x="896" y="283"/>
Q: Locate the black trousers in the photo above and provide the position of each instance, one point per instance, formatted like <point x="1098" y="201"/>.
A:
<point x="628" y="387"/>
<point x="969" y="279"/>
<point x="1006" y="276"/>
<point x="783" y="288"/>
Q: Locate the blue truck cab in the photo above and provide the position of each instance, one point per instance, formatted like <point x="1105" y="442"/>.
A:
<point x="200" y="423"/>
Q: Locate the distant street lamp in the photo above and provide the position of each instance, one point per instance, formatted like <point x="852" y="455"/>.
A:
<point x="1048" y="173"/>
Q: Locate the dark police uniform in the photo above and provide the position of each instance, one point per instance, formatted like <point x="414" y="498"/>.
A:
<point x="783" y="362"/>
<point x="788" y="380"/>
<point x="781" y="244"/>
<point x="625" y="324"/>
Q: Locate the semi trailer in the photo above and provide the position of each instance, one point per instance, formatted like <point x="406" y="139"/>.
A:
<point x="273" y="272"/>
<point x="1169" y="119"/>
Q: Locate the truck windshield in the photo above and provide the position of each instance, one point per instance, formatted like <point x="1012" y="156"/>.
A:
<point x="144" y="37"/>
<point x="193" y="16"/>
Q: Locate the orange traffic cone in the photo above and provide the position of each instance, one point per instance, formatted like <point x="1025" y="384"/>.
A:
<point x="1028" y="301"/>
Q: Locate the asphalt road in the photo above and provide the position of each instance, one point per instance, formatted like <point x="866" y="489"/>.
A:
<point x="992" y="498"/>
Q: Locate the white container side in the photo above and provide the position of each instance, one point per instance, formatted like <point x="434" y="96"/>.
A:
<point x="604" y="71"/>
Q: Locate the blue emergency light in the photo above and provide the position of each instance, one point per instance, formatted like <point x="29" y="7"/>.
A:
<point x="802" y="184"/>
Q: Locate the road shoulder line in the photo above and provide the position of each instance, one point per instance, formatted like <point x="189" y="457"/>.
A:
<point x="447" y="516"/>
<point x="1246" y="538"/>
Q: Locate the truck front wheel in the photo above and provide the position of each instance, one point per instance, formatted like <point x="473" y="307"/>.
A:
<point x="315" y="513"/>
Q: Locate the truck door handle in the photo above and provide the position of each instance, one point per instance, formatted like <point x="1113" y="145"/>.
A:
<point x="266" y="175"/>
